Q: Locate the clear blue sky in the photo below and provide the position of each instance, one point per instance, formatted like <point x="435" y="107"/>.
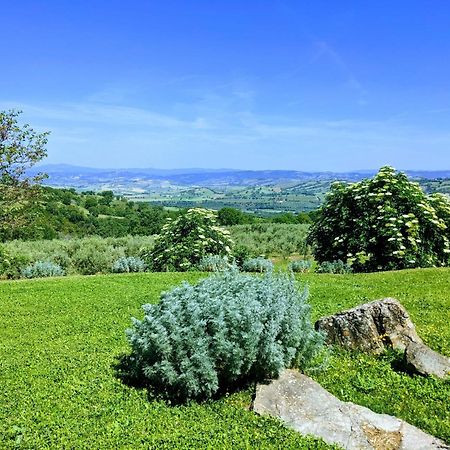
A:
<point x="318" y="85"/>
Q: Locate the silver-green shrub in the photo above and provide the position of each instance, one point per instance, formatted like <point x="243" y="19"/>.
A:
<point x="230" y="328"/>
<point x="42" y="269"/>
<point x="338" y="266"/>
<point x="257" y="265"/>
<point x="300" y="265"/>
<point x="128" y="264"/>
<point x="213" y="263"/>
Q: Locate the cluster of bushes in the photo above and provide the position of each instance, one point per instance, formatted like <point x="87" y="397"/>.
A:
<point x="228" y="330"/>
<point x="275" y="239"/>
<point x="84" y="256"/>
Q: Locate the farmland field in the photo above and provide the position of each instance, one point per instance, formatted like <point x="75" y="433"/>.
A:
<point x="60" y="339"/>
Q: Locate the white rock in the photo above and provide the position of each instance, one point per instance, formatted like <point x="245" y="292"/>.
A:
<point x="303" y="405"/>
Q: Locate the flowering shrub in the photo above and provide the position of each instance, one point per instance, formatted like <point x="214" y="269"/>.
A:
<point x="230" y="328"/>
<point x="301" y="265"/>
<point x="383" y="223"/>
<point x="213" y="263"/>
<point x="128" y="264"/>
<point x="257" y="265"/>
<point x="183" y="242"/>
<point x="334" y="267"/>
<point x="42" y="269"/>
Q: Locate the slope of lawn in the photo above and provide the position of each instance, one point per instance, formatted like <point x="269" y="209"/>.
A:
<point x="59" y="339"/>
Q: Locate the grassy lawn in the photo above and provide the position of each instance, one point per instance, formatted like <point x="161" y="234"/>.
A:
<point x="59" y="339"/>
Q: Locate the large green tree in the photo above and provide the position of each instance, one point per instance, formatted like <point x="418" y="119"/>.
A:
<point x="20" y="148"/>
<point x="383" y="223"/>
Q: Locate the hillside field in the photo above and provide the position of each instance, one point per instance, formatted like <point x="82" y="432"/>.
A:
<point x="60" y="338"/>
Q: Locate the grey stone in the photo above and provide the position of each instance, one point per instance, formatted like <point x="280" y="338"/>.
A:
<point x="303" y="405"/>
<point x="425" y="361"/>
<point x="370" y="327"/>
<point x="373" y="326"/>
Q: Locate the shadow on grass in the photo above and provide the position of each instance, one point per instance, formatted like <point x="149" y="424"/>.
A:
<point x="127" y="371"/>
<point x="397" y="361"/>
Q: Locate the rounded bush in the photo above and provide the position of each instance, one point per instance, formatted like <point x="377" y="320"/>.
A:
<point x="128" y="264"/>
<point x="338" y="266"/>
<point x="42" y="269"/>
<point x="257" y="265"/>
<point x="213" y="263"/>
<point x="183" y="242"/>
<point x="300" y="266"/>
<point x="230" y="328"/>
<point x="383" y="223"/>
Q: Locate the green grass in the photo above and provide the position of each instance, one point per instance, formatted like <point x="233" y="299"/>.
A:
<point x="368" y="381"/>
<point x="59" y="339"/>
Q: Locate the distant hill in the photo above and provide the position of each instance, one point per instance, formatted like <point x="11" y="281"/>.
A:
<point x="92" y="178"/>
<point x="87" y="177"/>
<point x="261" y="192"/>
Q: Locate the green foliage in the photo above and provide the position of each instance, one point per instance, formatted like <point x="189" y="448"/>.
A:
<point x="4" y="259"/>
<point x="58" y="389"/>
<point x="75" y="256"/>
<point x="95" y="256"/>
<point x="42" y="269"/>
<point x="337" y="267"/>
<point x="272" y="239"/>
<point x="289" y="217"/>
<point x="127" y="264"/>
<point x="300" y="265"/>
<point x="11" y="264"/>
<point x="64" y="212"/>
<point x="258" y="264"/>
<point x="250" y="242"/>
<point x="232" y="216"/>
<point x="5" y="262"/>
<point x="228" y="329"/>
<point x="383" y="223"/>
<point x="183" y="242"/>
<point x="214" y="263"/>
<point x="20" y="148"/>
<point x="240" y="254"/>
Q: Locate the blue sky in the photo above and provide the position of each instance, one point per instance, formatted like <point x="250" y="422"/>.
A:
<point x="322" y="85"/>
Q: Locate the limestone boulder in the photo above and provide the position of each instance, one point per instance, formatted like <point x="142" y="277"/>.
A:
<point x="303" y="405"/>
<point x="370" y="327"/>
